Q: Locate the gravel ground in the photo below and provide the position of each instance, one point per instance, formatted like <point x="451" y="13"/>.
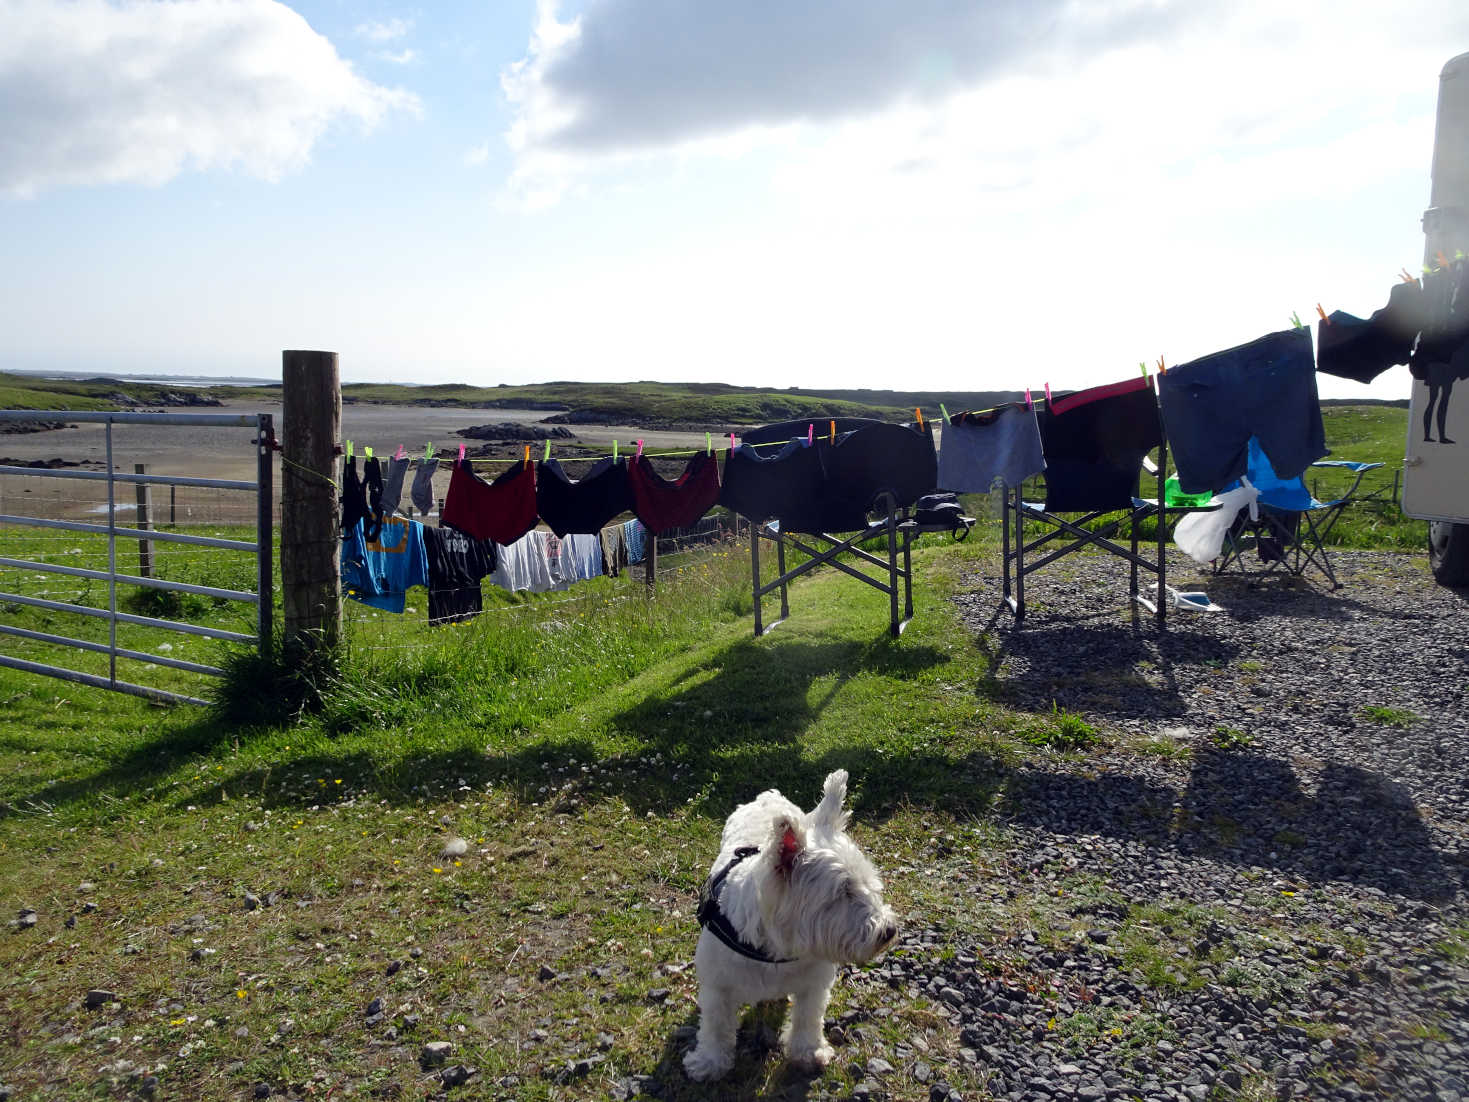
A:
<point x="1266" y="881"/>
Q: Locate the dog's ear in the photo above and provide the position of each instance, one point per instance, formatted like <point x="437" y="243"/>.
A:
<point x="829" y="816"/>
<point x="786" y="844"/>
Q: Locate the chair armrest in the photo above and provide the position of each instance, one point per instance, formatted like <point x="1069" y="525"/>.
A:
<point x="1360" y="468"/>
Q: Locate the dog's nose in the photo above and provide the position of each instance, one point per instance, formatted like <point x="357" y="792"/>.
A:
<point x="889" y="932"/>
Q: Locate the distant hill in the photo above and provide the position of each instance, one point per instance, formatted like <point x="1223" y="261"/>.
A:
<point x="698" y="406"/>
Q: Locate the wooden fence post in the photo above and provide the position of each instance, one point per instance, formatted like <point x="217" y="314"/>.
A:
<point x="145" y="522"/>
<point x="311" y="514"/>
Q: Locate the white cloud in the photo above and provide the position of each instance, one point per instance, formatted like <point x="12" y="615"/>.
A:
<point x="385" y="30"/>
<point x="1015" y="102"/>
<point x="404" y="56"/>
<point x="477" y="156"/>
<point x="93" y="92"/>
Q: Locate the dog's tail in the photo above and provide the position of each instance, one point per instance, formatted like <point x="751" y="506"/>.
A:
<point x="829" y="816"/>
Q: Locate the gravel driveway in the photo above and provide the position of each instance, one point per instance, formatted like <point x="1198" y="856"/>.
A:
<point x="1256" y="888"/>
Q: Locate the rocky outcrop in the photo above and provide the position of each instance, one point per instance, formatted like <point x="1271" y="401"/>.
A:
<point x="510" y="430"/>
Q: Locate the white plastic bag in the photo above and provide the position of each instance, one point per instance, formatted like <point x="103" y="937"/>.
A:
<point x="1200" y="536"/>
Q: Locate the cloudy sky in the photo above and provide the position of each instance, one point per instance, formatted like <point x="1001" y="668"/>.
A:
<point x="860" y="193"/>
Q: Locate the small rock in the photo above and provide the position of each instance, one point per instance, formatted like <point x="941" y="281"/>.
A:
<point x="98" y="997"/>
<point x="455" y="847"/>
<point x="375" y="1007"/>
<point x="149" y="1086"/>
<point x="658" y="995"/>
<point x="878" y="1066"/>
<point x="456" y="1076"/>
<point x="86" y="886"/>
<point x="262" y="1090"/>
<point x="435" y="1053"/>
<point x="393" y="966"/>
<point x="27" y="919"/>
<point x="546" y="974"/>
<point x="252" y="901"/>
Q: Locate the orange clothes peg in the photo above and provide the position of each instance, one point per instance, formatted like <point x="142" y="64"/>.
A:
<point x="1322" y="312"/>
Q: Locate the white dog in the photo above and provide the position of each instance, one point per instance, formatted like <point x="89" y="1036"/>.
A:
<point x="788" y="899"/>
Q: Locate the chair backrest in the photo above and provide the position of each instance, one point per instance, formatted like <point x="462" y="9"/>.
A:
<point x="1278" y="493"/>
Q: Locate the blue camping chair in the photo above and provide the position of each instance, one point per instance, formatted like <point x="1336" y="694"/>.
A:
<point x="1291" y="531"/>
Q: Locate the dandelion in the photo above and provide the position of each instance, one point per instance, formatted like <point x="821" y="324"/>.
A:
<point x="437" y="869"/>
<point x="242" y="994"/>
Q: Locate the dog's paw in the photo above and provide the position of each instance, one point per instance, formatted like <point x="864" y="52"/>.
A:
<point x="812" y="1058"/>
<point x="703" y="1065"/>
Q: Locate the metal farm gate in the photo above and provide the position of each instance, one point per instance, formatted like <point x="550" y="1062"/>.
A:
<point x="145" y="533"/>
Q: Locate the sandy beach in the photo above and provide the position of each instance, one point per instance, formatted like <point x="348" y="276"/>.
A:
<point x="213" y="452"/>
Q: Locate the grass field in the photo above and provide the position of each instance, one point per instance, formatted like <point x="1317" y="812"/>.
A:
<point x="267" y="898"/>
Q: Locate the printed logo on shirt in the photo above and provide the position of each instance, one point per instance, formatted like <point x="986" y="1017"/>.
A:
<point x="402" y="545"/>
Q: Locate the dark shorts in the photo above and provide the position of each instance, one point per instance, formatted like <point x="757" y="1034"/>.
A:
<point x="586" y="505"/>
<point x="1094" y="442"/>
<point x="502" y="510"/>
<point x="1213" y="405"/>
<point x="779" y="484"/>
<point x="662" y="504"/>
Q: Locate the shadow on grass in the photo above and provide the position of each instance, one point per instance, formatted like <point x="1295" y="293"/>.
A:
<point x="760" y="1068"/>
<point x="733" y="725"/>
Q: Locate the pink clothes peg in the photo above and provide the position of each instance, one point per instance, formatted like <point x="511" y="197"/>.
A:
<point x="640" y="450"/>
<point x="1028" y="403"/>
<point x="731" y="442"/>
<point x="461" y="453"/>
<point x="810" y="435"/>
<point x="400" y="453"/>
<point x="1048" y="395"/>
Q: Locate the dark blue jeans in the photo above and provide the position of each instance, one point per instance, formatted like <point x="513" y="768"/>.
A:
<point x="1213" y="405"/>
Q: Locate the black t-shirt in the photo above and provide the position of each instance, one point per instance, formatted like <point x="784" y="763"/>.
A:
<point x="456" y="564"/>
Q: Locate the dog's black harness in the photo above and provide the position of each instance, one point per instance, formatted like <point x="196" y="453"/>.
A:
<point x="713" y="919"/>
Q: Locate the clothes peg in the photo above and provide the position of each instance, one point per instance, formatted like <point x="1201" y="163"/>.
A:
<point x="1143" y="367"/>
<point x="527" y="452"/>
<point x="1162" y="367"/>
<point x="1048" y="396"/>
<point x="919" y="413"/>
<point x="1443" y="261"/>
<point x="810" y="435"/>
<point x="731" y="442"/>
<point x="944" y="412"/>
<point x="400" y="453"/>
<point x="548" y="451"/>
<point x="428" y="453"/>
<point x="1028" y="403"/>
<point x="367" y="452"/>
<point x="461" y="453"/>
<point x="1322" y="313"/>
<point x="614" y="451"/>
<point x="832" y="433"/>
<point x="640" y="450"/>
<point x="349" y="451"/>
<point x="1406" y="277"/>
<point x="1295" y="320"/>
<point x="709" y="442"/>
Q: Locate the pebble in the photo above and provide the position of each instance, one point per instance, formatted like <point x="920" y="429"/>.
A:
<point x="1258" y="857"/>
<point x="435" y="1053"/>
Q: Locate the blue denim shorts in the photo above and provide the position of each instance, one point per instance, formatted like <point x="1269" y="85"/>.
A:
<point x="1213" y="405"/>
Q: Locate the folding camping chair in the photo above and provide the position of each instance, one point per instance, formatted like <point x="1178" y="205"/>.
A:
<point x="1096" y="444"/>
<point x="1290" y="533"/>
